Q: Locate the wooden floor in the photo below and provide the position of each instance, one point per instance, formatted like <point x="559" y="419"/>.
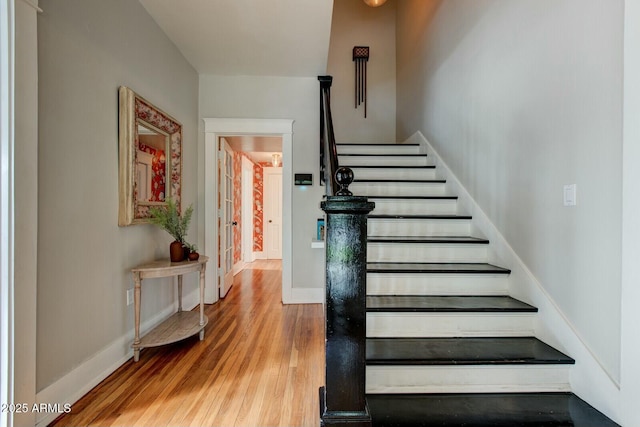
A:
<point x="260" y="364"/>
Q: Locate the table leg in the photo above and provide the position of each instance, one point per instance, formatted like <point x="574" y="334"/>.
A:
<point x="180" y="293"/>
<point x="202" y="300"/>
<point x="136" y="299"/>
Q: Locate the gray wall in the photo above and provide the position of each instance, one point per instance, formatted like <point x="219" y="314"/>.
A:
<point x="356" y="24"/>
<point x="295" y="98"/>
<point x="87" y="49"/>
<point x="26" y="209"/>
<point x="521" y="97"/>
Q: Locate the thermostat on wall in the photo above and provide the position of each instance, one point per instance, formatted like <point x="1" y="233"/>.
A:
<point x="303" y="179"/>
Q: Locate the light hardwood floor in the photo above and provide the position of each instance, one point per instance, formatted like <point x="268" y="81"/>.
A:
<point x="260" y="364"/>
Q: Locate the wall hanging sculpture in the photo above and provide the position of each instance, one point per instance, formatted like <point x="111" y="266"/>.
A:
<point x="360" y="57"/>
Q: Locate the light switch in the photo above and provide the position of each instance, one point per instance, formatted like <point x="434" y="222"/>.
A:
<point x="570" y="195"/>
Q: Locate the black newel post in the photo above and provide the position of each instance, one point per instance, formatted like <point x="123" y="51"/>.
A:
<point x="342" y="399"/>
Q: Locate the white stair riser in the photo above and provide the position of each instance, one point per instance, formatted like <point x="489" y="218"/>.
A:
<point x="392" y="173"/>
<point x="436" y="284"/>
<point x="383" y="160"/>
<point x="414" y="206"/>
<point x="398" y="188"/>
<point x="378" y="149"/>
<point x="467" y="379"/>
<point x="418" y="227"/>
<point x="422" y="325"/>
<point x="426" y="252"/>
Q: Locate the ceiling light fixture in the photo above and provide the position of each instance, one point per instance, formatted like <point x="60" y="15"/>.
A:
<point x="275" y="159"/>
<point x="375" y="3"/>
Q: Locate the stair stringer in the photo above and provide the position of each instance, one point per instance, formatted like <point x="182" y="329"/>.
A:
<point x="588" y="379"/>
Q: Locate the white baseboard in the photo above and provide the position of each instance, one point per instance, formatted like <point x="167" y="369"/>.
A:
<point x="238" y="267"/>
<point x="75" y="384"/>
<point x="259" y="255"/>
<point x="589" y="379"/>
<point x="304" y="296"/>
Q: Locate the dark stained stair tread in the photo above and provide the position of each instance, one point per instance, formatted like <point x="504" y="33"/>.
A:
<point x="434" y="267"/>
<point x="462" y="351"/>
<point x="418" y="216"/>
<point x="385" y="144"/>
<point x="382" y="155"/>
<point x="430" y="181"/>
<point x="414" y="197"/>
<point x="447" y="303"/>
<point x="480" y="410"/>
<point x="426" y="239"/>
<point x="390" y="166"/>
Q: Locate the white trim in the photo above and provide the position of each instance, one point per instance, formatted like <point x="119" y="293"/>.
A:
<point x="259" y="255"/>
<point x="33" y="6"/>
<point x="305" y="296"/>
<point x="7" y="61"/>
<point x="238" y="267"/>
<point x="75" y="384"/>
<point x="589" y="379"/>
<point x="217" y="127"/>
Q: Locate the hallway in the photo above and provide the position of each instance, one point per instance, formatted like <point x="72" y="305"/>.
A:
<point x="261" y="364"/>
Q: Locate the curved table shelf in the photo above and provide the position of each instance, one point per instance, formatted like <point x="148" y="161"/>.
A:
<point x="181" y="324"/>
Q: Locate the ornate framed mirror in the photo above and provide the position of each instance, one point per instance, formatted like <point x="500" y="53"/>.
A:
<point x="150" y="144"/>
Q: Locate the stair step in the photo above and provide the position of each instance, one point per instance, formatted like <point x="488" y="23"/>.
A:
<point x="418" y="224"/>
<point x="390" y="159"/>
<point x="416" y="205"/>
<point x="379" y="172"/>
<point x="441" y="324"/>
<point x="465" y="365"/>
<point x="421" y="249"/>
<point x="390" y="167"/>
<point x="446" y="303"/>
<point x="435" y="267"/>
<point x="400" y="181"/>
<point x="489" y="409"/>
<point x="419" y="216"/>
<point x="436" y="197"/>
<point x="448" y="316"/>
<point x="433" y="283"/>
<point x="376" y="144"/>
<point x="427" y="239"/>
<point x="463" y="351"/>
<point x="355" y="148"/>
<point x="433" y="187"/>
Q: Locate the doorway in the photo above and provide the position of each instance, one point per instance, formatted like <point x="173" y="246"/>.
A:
<point x="214" y="130"/>
<point x="249" y="203"/>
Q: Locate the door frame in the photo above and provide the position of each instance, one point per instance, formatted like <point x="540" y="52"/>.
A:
<point x="214" y="128"/>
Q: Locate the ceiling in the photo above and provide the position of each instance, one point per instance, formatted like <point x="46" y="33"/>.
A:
<point x="257" y="148"/>
<point x="248" y="37"/>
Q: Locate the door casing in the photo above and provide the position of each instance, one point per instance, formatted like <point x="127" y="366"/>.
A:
<point x="215" y="128"/>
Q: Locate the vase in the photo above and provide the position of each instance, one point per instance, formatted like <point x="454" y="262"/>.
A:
<point x="193" y="256"/>
<point x="176" y="251"/>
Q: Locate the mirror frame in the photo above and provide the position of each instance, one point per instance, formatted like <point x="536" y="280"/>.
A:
<point x="134" y="109"/>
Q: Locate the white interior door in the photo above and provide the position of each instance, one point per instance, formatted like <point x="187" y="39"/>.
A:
<point x="273" y="212"/>
<point x="225" y="217"/>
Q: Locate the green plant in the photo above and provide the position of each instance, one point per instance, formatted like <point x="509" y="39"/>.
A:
<point x="169" y="219"/>
<point x="192" y="247"/>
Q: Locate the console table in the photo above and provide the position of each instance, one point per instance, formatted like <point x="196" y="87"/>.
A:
<point x="181" y="324"/>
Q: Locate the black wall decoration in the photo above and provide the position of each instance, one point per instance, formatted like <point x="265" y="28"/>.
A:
<point x="360" y="57"/>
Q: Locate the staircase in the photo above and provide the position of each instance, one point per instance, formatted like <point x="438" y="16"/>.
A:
<point x="446" y="344"/>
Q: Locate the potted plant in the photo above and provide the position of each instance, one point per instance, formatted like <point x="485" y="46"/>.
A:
<point x="193" y="252"/>
<point x="169" y="219"/>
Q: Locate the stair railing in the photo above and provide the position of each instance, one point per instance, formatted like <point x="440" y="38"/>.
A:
<point x="328" y="150"/>
<point x="343" y="400"/>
